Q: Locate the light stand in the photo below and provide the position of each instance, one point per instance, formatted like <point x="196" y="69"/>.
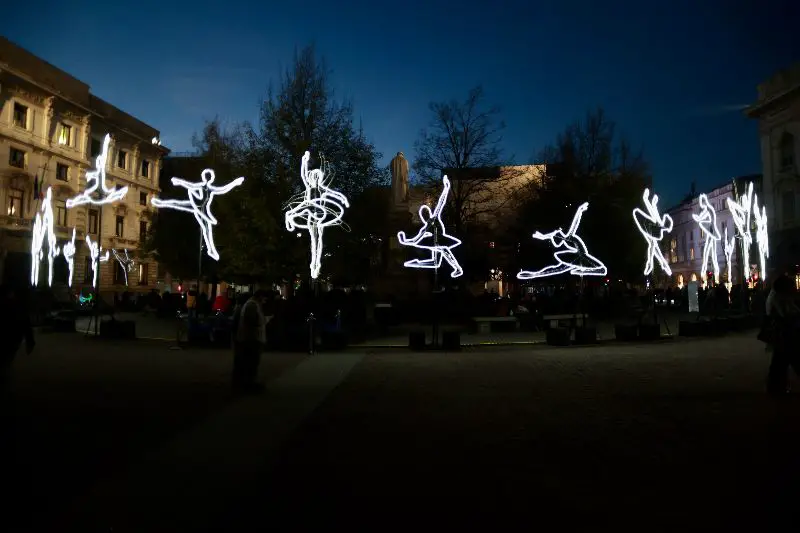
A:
<point x="435" y="324"/>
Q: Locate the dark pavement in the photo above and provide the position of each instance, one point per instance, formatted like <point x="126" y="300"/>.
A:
<point x="675" y="436"/>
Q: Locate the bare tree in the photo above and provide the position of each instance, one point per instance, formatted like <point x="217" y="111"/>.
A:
<point x="463" y="140"/>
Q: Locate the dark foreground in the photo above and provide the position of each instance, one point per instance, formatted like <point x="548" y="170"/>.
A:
<point x="675" y="436"/>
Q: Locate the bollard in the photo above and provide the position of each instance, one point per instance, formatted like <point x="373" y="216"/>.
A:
<point x="311" y="321"/>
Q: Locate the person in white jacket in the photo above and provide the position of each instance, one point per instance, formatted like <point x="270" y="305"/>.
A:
<point x="249" y="328"/>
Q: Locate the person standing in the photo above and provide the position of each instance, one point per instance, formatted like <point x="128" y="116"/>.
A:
<point x="16" y="326"/>
<point x="249" y="339"/>
<point x="783" y="319"/>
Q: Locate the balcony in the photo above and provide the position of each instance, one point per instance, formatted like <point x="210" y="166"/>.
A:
<point x="16" y="222"/>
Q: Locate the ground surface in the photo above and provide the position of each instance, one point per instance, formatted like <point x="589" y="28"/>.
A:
<point x="673" y="436"/>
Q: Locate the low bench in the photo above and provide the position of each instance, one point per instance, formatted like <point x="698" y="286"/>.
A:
<point x="485" y="322"/>
<point x="574" y="318"/>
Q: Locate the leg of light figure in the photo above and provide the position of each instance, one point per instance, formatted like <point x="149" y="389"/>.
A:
<point x="448" y="256"/>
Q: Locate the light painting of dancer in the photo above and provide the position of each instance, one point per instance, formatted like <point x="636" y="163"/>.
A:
<point x="201" y="194"/>
<point x="318" y="207"/>
<point x="433" y="237"/>
<point x="575" y="259"/>
<point x="653" y="228"/>
<point x="707" y="220"/>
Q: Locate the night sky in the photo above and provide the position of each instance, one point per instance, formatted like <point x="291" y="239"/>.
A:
<point x="673" y="76"/>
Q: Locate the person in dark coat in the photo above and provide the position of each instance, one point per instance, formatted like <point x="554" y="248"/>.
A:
<point x="16" y="326"/>
<point x="783" y="322"/>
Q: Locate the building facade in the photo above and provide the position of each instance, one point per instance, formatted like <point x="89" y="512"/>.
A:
<point x="778" y="113"/>
<point x="51" y="130"/>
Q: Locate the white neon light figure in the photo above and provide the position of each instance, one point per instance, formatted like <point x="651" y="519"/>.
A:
<point x="201" y="194"/>
<point x="318" y="207"/>
<point x="68" y="250"/>
<point x="97" y="178"/>
<point x="740" y="211"/>
<point x="662" y="224"/>
<point x="707" y="220"/>
<point x="43" y="227"/>
<point x="124" y="261"/>
<point x="433" y="237"/>
<point x="575" y="259"/>
<point x="730" y="246"/>
<point x="762" y="237"/>
<point x="94" y="254"/>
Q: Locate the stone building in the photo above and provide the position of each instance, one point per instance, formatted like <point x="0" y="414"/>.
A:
<point x="51" y="130"/>
<point x="778" y="113"/>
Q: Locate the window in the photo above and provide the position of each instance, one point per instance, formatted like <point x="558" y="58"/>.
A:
<point x="691" y="253"/>
<point x="145" y="168"/>
<point x="120" y="226"/>
<point x="93" y="216"/>
<point x="142" y="198"/>
<point x="64" y="135"/>
<point x="787" y="151"/>
<point x="788" y="200"/>
<point x="62" y="172"/>
<point x="14" y="203"/>
<point x="16" y="158"/>
<point x="673" y="251"/>
<point x="20" y="115"/>
<point x="96" y="147"/>
<point x="142" y="231"/>
<point x="87" y="270"/>
<point x="61" y="212"/>
<point x="143" y="271"/>
<point x="122" y="159"/>
<point x="119" y="274"/>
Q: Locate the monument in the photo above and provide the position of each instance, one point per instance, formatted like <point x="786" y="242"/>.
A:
<point x="398" y="281"/>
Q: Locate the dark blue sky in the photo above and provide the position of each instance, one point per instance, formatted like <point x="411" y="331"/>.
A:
<point x="669" y="73"/>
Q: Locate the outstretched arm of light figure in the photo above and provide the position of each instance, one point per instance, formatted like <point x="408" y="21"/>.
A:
<point x="180" y="205"/>
<point x="442" y="197"/>
<point x="405" y="241"/>
<point x="336" y="195"/>
<point x="178" y="182"/>
<point x="576" y="220"/>
<point x="226" y="188"/>
<point x="304" y="169"/>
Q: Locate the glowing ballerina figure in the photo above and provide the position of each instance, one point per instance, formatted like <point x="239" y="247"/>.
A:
<point x="96" y="258"/>
<point x="124" y="261"/>
<point x="318" y="207"/>
<point x="730" y="246"/>
<point x="740" y="212"/>
<point x="575" y="259"/>
<point x="762" y="237"/>
<point x="707" y="220"/>
<point x="68" y="251"/>
<point x="433" y="237"/>
<point x="43" y="228"/>
<point x="201" y="194"/>
<point x="97" y="179"/>
<point x="653" y="228"/>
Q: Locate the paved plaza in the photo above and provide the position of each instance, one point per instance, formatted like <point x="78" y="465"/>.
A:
<point x="672" y="436"/>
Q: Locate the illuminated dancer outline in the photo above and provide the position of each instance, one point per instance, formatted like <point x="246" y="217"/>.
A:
<point x="762" y="236"/>
<point x="68" y="251"/>
<point x="317" y="207"/>
<point x="43" y="227"/>
<point x="741" y="211"/>
<point x="707" y="220"/>
<point x="97" y="178"/>
<point x="125" y="262"/>
<point x="664" y="224"/>
<point x="201" y="194"/>
<point x="433" y="237"/>
<point x="730" y="246"/>
<point x="575" y="248"/>
<point x="94" y="254"/>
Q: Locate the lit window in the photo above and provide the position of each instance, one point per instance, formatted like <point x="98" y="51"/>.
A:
<point x="65" y="135"/>
<point x="14" y="203"/>
<point x="20" y="115"/>
<point x="143" y="272"/>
